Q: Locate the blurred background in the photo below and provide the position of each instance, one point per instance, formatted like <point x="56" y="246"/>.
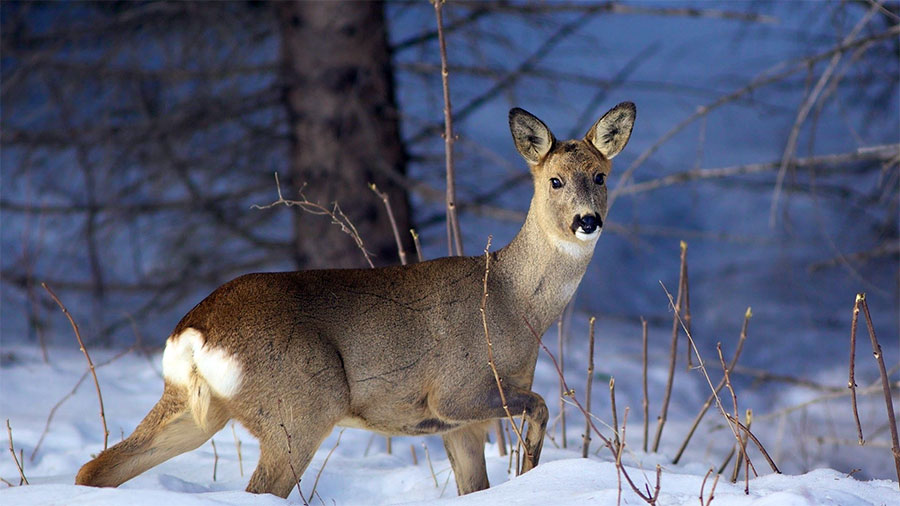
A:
<point x="137" y="136"/>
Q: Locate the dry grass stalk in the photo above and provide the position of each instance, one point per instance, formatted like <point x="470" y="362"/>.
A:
<point x="19" y="462"/>
<point x="885" y="383"/>
<point x="645" y="403"/>
<point x="415" y="237"/>
<point x="742" y="451"/>
<point x="661" y="420"/>
<point x="586" y="442"/>
<point x="615" y="414"/>
<point x="712" y="490"/>
<point x="215" y="458"/>
<point x="387" y="206"/>
<point x="237" y="446"/>
<point x="741" y="441"/>
<point x="562" y="390"/>
<point x="325" y="462"/>
<point x="454" y="237"/>
<point x="415" y="458"/>
<point x="758" y="444"/>
<point x="851" y="382"/>
<point x="86" y="356"/>
<point x="686" y="309"/>
<point x="490" y="346"/>
<point x="709" y="400"/>
<point x="430" y="466"/>
<point x="388" y="445"/>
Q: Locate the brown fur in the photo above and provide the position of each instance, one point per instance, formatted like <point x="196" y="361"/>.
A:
<point x="398" y="350"/>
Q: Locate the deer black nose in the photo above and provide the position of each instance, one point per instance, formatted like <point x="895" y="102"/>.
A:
<point x="589" y="222"/>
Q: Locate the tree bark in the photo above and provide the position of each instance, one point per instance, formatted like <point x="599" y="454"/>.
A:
<point x="344" y="128"/>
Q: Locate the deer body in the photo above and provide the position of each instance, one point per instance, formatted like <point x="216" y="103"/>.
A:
<point x="398" y="350"/>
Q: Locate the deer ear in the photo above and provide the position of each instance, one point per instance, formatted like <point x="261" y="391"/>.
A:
<point x="532" y="137"/>
<point x="611" y="132"/>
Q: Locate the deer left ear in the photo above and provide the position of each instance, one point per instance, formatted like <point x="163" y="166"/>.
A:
<point x="611" y="132"/>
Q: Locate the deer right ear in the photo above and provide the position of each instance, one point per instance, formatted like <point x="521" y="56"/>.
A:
<point x="532" y="137"/>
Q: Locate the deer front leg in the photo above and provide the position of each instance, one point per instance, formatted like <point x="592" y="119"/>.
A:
<point x="485" y="404"/>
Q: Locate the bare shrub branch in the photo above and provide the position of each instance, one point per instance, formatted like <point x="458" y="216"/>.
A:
<point x="87" y="356"/>
<point x="12" y="452"/>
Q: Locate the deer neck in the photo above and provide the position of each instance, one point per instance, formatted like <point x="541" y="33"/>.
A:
<point x="542" y="270"/>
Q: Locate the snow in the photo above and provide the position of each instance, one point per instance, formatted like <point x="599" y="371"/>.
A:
<point x="360" y="472"/>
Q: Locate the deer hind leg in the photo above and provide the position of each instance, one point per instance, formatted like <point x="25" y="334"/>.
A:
<point x="169" y="429"/>
<point x="465" y="449"/>
<point x="292" y="417"/>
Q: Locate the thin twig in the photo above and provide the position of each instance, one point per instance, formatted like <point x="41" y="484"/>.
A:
<point x="702" y="367"/>
<point x="620" y="449"/>
<point x="709" y="400"/>
<point x="69" y="395"/>
<point x="215" y="458"/>
<point x="12" y="452"/>
<point x="772" y="75"/>
<point x="615" y="414"/>
<point x="742" y="441"/>
<point x="418" y="245"/>
<point x="290" y="458"/>
<point x="586" y="442"/>
<point x="335" y="213"/>
<point x="415" y="458"/>
<point x="885" y="384"/>
<point x="490" y="346"/>
<point x="454" y="237"/>
<point x="875" y="153"/>
<point x="430" y="467"/>
<point x="851" y="383"/>
<point x="387" y="205"/>
<point x="661" y="420"/>
<point x="237" y="445"/>
<point x="755" y="440"/>
<point x="650" y="498"/>
<point x="805" y="109"/>
<point x="325" y="462"/>
<point x="562" y="390"/>
<point x="86" y="356"/>
<point x="646" y="401"/>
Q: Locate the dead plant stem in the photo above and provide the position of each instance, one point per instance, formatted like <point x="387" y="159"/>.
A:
<point x="885" y="384"/>
<point x="12" y="452"/>
<point x="86" y="356"/>
<point x="661" y="420"/>
<point x="851" y="382"/>
<point x="709" y="400"/>
<point x="586" y="442"/>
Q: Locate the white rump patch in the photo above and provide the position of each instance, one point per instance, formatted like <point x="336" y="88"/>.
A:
<point x="187" y="354"/>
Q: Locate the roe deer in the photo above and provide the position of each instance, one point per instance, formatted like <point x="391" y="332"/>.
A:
<point x="398" y="350"/>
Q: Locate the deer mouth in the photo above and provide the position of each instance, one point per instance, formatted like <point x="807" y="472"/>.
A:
<point x="587" y="227"/>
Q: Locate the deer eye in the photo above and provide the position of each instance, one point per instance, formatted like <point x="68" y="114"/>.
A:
<point x="599" y="178"/>
<point x="555" y="182"/>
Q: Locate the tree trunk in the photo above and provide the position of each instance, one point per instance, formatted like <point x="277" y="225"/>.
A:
<point x="343" y="121"/>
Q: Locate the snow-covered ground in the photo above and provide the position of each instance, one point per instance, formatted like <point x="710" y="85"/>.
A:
<point x="810" y="443"/>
